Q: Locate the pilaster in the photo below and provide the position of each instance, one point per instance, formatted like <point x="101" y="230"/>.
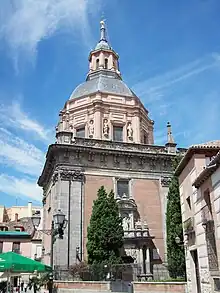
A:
<point x="164" y="188"/>
<point x="69" y="183"/>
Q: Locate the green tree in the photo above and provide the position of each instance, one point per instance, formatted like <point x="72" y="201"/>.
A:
<point x="175" y="252"/>
<point x="105" y="231"/>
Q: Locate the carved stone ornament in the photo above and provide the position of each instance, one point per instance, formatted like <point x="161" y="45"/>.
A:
<point x="68" y="175"/>
<point x="165" y="181"/>
<point x="103" y="158"/>
<point x="128" y="160"/>
<point x="91" y="156"/>
<point x="116" y="160"/>
<point x="105" y="128"/>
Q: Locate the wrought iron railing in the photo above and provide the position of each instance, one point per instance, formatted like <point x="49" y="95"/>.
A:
<point x="16" y="250"/>
<point x="206" y="215"/>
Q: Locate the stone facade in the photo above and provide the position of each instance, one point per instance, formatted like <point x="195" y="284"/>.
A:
<point x="199" y="177"/>
<point x="105" y="137"/>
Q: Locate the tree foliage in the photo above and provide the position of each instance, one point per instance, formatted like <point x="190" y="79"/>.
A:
<point x="105" y="231"/>
<point x="175" y="252"/>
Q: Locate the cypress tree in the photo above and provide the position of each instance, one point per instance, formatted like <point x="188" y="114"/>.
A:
<point x="175" y="252"/>
<point x="105" y="231"/>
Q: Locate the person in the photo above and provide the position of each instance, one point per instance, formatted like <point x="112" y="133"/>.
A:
<point x="22" y="285"/>
<point x="25" y="287"/>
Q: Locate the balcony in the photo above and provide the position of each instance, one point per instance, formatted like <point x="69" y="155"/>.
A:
<point x="140" y="234"/>
<point x="16" y="250"/>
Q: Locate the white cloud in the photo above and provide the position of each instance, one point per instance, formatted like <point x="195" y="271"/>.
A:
<point x="20" y="155"/>
<point x="14" y="116"/>
<point x="24" y="23"/>
<point x="20" y="187"/>
<point x="153" y="87"/>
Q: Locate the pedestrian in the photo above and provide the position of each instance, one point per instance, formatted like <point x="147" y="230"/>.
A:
<point x="25" y="287"/>
<point x="22" y="285"/>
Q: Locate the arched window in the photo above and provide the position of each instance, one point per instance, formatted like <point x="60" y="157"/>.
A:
<point x="97" y="63"/>
<point x="106" y="63"/>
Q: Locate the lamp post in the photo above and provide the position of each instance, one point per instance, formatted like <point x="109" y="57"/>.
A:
<point x="50" y="283"/>
<point x="58" y="225"/>
<point x="178" y="241"/>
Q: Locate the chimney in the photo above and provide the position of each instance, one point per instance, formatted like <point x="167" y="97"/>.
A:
<point x="16" y="217"/>
<point x="30" y="209"/>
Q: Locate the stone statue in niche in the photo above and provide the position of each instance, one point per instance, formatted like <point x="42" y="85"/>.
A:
<point x="126" y="223"/>
<point x="129" y="131"/>
<point x="105" y="127"/>
<point x="138" y="225"/>
<point x="91" y="128"/>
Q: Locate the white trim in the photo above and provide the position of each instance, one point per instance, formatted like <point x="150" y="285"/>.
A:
<point x="115" y="186"/>
<point x="122" y="174"/>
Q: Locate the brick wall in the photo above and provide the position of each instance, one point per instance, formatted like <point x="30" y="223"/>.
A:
<point x="139" y="287"/>
<point x="92" y="184"/>
<point x="147" y="196"/>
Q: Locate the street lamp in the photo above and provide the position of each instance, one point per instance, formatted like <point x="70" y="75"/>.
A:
<point x="36" y="220"/>
<point x="58" y="225"/>
<point x="178" y="241"/>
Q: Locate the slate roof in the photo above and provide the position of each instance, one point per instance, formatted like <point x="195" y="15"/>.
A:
<point x="105" y="82"/>
<point x="25" y="222"/>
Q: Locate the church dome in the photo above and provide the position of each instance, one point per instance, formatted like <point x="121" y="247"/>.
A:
<point x="105" y="82"/>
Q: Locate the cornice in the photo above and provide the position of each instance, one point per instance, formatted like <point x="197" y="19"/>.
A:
<point x="91" y="153"/>
<point x="67" y="174"/>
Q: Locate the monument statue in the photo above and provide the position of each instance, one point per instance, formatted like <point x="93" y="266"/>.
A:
<point x="105" y="127"/>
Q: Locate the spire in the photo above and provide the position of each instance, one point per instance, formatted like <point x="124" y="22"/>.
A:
<point x="103" y="43"/>
<point x="170" y="145"/>
<point x="169" y="133"/>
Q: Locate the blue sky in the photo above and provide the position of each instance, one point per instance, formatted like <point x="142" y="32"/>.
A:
<point x="169" y="55"/>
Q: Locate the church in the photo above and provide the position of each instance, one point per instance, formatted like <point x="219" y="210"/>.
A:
<point x="105" y="137"/>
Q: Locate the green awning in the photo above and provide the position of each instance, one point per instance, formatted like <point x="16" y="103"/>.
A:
<point x="14" y="262"/>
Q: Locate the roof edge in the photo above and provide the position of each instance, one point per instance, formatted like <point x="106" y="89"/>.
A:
<point x="190" y="152"/>
<point x="208" y="171"/>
